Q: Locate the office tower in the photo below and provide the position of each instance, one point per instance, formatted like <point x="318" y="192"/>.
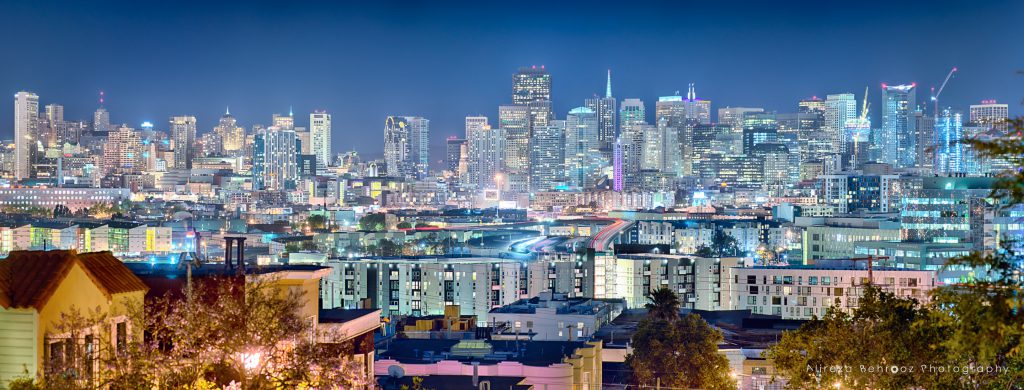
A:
<point x="839" y="108"/>
<point x="531" y="85"/>
<point x="705" y="137"/>
<point x="55" y="120"/>
<point x="183" y="133"/>
<point x="453" y="154"/>
<point x="925" y="138"/>
<point x="653" y="150"/>
<point x="670" y="117"/>
<point x="582" y="157"/>
<point x="122" y="155"/>
<point x="280" y="158"/>
<point x="992" y="114"/>
<point x="813" y="104"/>
<point x="419" y="145"/>
<point x="101" y="120"/>
<point x="858" y="134"/>
<point x="733" y="116"/>
<point x="606" y="123"/>
<point x="320" y="138"/>
<point x="26" y="125"/>
<point x="514" y="122"/>
<point x="949" y="154"/>
<point x="259" y="157"/>
<point x="284" y="122"/>
<point x="485" y="149"/>
<point x="398" y="147"/>
<point x="759" y="128"/>
<point x="775" y="157"/>
<point x="898" y="142"/>
<point x="697" y="110"/>
<point x="547" y="156"/>
<point x="232" y="136"/>
<point x="632" y="123"/>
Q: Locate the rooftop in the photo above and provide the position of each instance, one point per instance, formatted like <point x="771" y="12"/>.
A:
<point x="530" y="353"/>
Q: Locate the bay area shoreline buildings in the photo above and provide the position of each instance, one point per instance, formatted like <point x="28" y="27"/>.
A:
<point x="543" y="225"/>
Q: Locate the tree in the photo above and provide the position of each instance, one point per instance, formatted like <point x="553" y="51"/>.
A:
<point x="704" y="251"/>
<point x="404" y="225"/>
<point x="387" y="247"/>
<point x="375" y="222"/>
<point x="883" y="331"/>
<point x="232" y="334"/>
<point x="316" y="222"/>
<point x="679" y="353"/>
<point x="663" y="304"/>
<point x="724" y="244"/>
<point x="61" y="211"/>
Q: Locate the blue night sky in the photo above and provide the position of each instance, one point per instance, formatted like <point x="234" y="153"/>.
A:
<point x="362" y="61"/>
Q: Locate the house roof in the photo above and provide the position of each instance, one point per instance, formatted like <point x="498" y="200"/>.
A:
<point x="29" y="278"/>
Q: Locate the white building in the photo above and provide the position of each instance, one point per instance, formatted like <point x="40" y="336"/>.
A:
<point x="26" y="128"/>
<point x="805" y="292"/>
<point x="553" y="317"/>
<point x="320" y="134"/>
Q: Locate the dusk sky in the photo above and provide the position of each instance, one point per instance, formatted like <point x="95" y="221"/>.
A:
<point x="362" y="61"/>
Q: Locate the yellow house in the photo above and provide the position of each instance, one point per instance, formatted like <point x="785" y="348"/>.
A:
<point x="36" y="287"/>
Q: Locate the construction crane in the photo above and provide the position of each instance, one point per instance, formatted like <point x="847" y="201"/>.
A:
<point x="862" y="121"/>
<point x="935" y="95"/>
<point x="870" y="259"/>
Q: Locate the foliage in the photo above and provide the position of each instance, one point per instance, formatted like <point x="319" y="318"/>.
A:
<point x="704" y="251"/>
<point x="233" y="334"/>
<point x="404" y="225"/>
<point x="724" y="244"/>
<point x="375" y="222"/>
<point x="61" y="211"/>
<point x="679" y="353"/>
<point x="883" y="331"/>
<point x="316" y="222"/>
<point x="663" y="304"/>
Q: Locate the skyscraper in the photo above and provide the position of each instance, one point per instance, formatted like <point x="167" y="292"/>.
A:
<point x="280" y="158"/>
<point x="397" y="147"/>
<point x="949" y="154"/>
<point x="531" y="85"/>
<point x="26" y="125"/>
<point x="514" y="121"/>
<point x="733" y="116"/>
<point x="320" y="134"/>
<point x="898" y="141"/>
<point x="697" y="110"/>
<point x="670" y="116"/>
<point x="606" y="123"/>
<point x="453" y="153"/>
<point x="759" y="128"/>
<point x="123" y="152"/>
<point x="547" y="156"/>
<point x="232" y="136"/>
<point x="582" y="157"/>
<point x="839" y="108"/>
<point x="632" y="124"/>
<point x="990" y="113"/>
<point x="183" y="132"/>
<point x="419" y="147"/>
<point x="485" y="146"/>
<point x="101" y="120"/>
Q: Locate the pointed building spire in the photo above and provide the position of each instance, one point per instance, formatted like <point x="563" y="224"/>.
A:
<point x="290" y="112"/>
<point x="691" y="95"/>
<point x="227" y="111"/>
<point x="608" y="92"/>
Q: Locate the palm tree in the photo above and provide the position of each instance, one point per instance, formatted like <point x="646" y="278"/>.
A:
<point x="663" y="304"/>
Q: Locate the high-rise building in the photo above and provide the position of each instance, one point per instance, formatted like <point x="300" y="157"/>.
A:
<point x="123" y="152"/>
<point x="582" y="157"/>
<point x="992" y="114"/>
<point x="670" y="115"/>
<point x="26" y="125"/>
<point x="547" y="156"/>
<point x="606" y="123"/>
<point x="485" y="149"/>
<point x="419" y="147"/>
<point x="514" y="122"/>
<point x="397" y="147"/>
<point x="632" y="123"/>
<point x="924" y="131"/>
<point x="57" y="126"/>
<point x="839" y="108"/>
<point x="453" y="153"/>
<point x="320" y="138"/>
<point x="280" y="158"/>
<point x="733" y="116"/>
<point x="284" y="122"/>
<point x="759" y="128"/>
<point x="531" y="85"/>
<point x="183" y="133"/>
<point x="697" y="110"/>
<point x="949" y="154"/>
<point x="898" y="141"/>
<point x="101" y="120"/>
<point x="232" y="136"/>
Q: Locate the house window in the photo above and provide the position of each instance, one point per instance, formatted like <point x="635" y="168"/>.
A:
<point x="121" y="336"/>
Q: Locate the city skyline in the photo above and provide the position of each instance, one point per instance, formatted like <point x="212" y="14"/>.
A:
<point x="256" y="91"/>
